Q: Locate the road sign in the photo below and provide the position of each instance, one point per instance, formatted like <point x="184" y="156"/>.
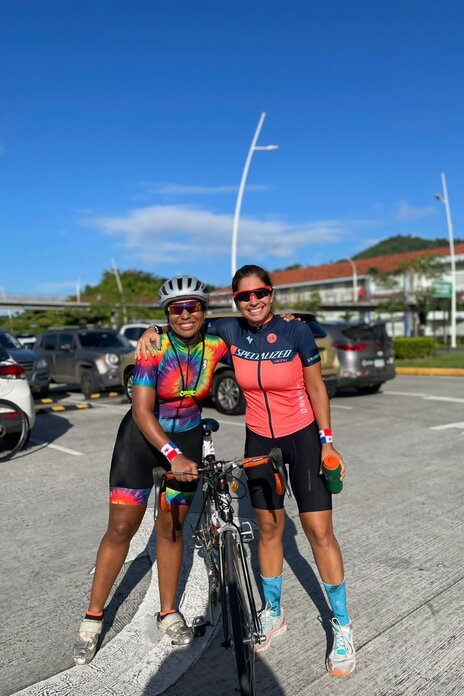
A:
<point x="441" y="288"/>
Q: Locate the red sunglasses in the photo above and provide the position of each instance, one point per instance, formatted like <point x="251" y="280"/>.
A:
<point x="259" y="293"/>
<point x="190" y="305"/>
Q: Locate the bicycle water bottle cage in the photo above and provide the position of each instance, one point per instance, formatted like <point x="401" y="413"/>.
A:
<point x="188" y="392"/>
<point x="210" y="424"/>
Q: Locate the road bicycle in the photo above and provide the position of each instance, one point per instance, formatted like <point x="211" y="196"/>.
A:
<point x="14" y="429"/>
<point x="220" y="537"/>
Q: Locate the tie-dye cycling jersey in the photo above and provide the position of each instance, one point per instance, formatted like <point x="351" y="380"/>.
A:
<point x="175" y="368"/>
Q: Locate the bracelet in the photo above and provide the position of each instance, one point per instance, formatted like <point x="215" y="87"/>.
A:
<point x="170" y="450"/>
<point x="155" y="327"/>
<point x="325" y="436"/>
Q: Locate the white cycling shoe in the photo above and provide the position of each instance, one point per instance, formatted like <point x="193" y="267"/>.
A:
<point x="86" y="643"/>
<point x="174" y="626"/>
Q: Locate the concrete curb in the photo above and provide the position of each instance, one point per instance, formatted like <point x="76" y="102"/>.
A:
<point x="137" y="661"/>
<point x="431" y="371"/>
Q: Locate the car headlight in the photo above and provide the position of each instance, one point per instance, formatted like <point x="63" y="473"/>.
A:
<point x="111" y="359"/>
<point x="41" y="363"/>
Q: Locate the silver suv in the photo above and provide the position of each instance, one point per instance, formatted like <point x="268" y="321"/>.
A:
<point x="88" y="357"/>
<point x="35" y="366"/>
<point x="365" y="352"/>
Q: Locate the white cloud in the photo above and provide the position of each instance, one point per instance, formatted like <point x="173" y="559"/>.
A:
<point x="178" y="234"/>
<point x="406" y="211"/>
<point x="171" y="189"/>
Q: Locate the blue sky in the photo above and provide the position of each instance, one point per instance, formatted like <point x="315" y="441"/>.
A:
<point x="124" y="129"/>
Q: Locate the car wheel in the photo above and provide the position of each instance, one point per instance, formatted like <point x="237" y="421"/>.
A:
<point x="42" y="393"/>
<point x="88" y="383"/>
<point x="128" y="383"/>
<point x="370" y="389"/>
<point x="331" y="389"/>
<point x="227" y="395"/>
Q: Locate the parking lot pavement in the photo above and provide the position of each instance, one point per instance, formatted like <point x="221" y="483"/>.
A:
<point x="399" y="522"/>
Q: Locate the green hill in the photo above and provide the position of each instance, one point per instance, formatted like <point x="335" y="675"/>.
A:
<point x="401" y="243"/>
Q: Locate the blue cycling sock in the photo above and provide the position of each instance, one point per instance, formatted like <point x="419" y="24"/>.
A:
<point x="337" y="598"/>
<point x="272" y="589"/>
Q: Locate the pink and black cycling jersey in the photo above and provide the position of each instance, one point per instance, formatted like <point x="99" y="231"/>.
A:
<point x="182" y="376"/>
<point x="268" y="363"/>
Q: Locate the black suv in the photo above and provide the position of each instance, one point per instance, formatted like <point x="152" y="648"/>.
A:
<point x="89" y="357"/>
<point x="365" y="353"/>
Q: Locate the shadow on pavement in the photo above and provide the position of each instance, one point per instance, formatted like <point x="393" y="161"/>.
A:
<point x="133" y="575"/>
<point x="298" y="564"/>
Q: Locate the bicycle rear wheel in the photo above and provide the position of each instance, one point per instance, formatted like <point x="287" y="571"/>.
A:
<point x="240" y="618"/>
<point x="14" y="429"/>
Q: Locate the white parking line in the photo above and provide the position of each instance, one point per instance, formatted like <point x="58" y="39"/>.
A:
<point x="58" y="447"/>
<point x="426" y="397"/>
<point x="447" y="425"/>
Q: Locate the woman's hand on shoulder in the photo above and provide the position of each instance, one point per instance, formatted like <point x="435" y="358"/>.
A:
<point x="288" y="317"/>
<point x="144" y="346"/>
<point x="329" y="449"/>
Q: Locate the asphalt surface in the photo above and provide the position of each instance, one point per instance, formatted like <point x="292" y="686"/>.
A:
<point x="399" y="522"/>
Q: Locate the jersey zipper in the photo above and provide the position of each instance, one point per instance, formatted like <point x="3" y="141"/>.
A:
<point x="266" y="401"/>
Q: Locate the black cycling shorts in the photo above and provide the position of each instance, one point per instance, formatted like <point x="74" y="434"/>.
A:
<point x="302" y="452"/>
<point x="134" y="457"/>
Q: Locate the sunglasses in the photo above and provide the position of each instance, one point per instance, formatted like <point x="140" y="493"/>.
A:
<point x="259" y="293"/>
<point x="190" y="305"/>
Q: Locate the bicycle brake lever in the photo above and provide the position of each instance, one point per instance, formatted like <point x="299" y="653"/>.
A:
<point x="159" y="475"/>
<point x="275" y="456"/>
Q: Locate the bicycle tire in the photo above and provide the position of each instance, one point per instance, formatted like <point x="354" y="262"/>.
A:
<point x="207" y="544"/>
<point x="241" y="624"/>
<point x="14" y="429"/>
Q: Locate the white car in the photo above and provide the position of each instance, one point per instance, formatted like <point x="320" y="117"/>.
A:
<point x="14" y="386"/>
<point x="133" y="331"/>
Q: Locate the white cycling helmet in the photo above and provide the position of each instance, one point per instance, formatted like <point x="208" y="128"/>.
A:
<point x="182" y="287"/>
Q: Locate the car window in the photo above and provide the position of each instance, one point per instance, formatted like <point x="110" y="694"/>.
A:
<point x="3" y="354"/>
<point x="134" y="333"/>
<point x="48" y="341"/>
<point x="103" y="339"/>
<point x="363" y="333"/>
<point x="9" y="341"/>
<point x="65" y="339"/>
<point x="318" y="331"/>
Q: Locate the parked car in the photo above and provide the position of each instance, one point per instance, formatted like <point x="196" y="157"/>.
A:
<point x="14" y="386"/>
<point x="27" y="340"/>
<point x="133" y="331"/>
<point x="35" y="366"/>
<point x="88" y="357"/>
<point x="365" y="352"/>
<point x="225" y="392"/>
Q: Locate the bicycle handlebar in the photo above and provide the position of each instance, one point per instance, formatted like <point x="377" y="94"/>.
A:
<point x="274" y="457"/>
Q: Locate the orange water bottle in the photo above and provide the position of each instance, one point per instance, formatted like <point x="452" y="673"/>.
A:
<point x="332" y="469"/>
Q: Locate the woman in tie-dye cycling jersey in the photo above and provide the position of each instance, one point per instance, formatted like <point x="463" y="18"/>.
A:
<point x="162" y="428"/>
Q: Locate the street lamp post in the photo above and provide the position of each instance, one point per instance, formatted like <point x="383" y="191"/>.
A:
<point x="355" y="279"/>
<point x="444" y="199"/>
<point x="121" y="291"/>
<point x="238" y="205"/>
<point x="78" y="288"/>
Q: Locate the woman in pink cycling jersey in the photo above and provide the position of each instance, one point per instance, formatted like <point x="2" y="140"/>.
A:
<point x="277" y="366"/>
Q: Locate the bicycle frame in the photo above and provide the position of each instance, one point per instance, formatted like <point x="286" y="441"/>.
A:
<point x="221" y="541"/>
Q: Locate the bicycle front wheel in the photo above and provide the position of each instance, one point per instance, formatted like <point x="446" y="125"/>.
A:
<point x="14" y="429"/>
<point x="240" y="618"/>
